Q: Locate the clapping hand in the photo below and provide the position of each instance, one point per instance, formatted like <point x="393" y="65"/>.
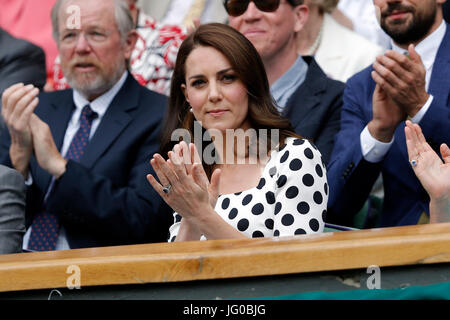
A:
<point x="19" y="102"/>
<point x="184" y="184"/>
<point x="402" y="77"/>
<point x="433" y="173"/>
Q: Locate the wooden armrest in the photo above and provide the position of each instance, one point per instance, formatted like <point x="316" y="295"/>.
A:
<point x="218" y="259"/>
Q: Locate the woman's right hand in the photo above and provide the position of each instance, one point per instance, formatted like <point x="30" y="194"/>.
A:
<point x="191" y="193"/>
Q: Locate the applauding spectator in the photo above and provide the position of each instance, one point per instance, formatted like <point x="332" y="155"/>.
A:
<point x="410" y="81"/>
<point x="271" y="184"/>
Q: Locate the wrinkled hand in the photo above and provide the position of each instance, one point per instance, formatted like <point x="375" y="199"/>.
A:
<point x="403" y="79"/>
<point x="19" y="102"/>
<point x="191" y="192"/>
<point x="433" y="173"/>
<point x="45" y="150"/>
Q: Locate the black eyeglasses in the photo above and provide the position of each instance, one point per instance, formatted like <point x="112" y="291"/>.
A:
<point x="237" y="7"/>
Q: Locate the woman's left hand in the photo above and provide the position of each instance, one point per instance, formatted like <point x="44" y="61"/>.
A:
<point x="433" y="173"/>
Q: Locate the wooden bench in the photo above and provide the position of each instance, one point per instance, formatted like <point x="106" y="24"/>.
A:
<point x="178" y="263"/>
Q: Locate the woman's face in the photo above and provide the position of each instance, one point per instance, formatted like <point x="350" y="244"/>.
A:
<point x="218" y="98"/>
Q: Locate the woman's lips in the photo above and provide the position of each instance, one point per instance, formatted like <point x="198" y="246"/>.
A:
<point x="217" y="113"/>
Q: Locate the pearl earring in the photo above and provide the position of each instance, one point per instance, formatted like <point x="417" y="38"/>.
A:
<point x="191" y="111"/>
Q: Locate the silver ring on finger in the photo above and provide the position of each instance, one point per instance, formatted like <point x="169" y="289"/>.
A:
<point x="167" y="188"/>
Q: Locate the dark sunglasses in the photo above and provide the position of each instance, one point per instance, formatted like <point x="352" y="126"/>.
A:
<point x="237" y="7"/>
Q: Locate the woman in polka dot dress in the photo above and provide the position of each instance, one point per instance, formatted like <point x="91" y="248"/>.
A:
<point x="220" y="84"/>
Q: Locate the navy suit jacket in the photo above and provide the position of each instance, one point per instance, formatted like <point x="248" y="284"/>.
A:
<point x="314" y="109"/>
<point x="351" y="177"/>
<point x="104" y="199"/>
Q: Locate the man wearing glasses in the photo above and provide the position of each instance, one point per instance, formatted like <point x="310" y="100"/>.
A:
<point x="303" y="92"/>
<point x="85" y="151"/>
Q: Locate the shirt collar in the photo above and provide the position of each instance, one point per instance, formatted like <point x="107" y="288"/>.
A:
<point x="428" y="47"/>
<point x="101" y="104"/>
<point x="284" y="86"/>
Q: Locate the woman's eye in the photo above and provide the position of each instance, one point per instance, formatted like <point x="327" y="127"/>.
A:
<point x="197" y="83"/>
<point x="229" y="77"/>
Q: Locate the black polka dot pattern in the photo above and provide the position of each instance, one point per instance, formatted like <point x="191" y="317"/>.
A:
<point x="243" y="225"/>
<point x="270" y="197"/>
<point x="225" y="203"/>
<point x="284" y="157"/>
<point x="258" y="209"/>
<point x="233" y="214"/>
<point x="289" y="199"/>
<point x="295" y="165"/>
<point x="247" y="199"/>
<point x="281" y="181"/>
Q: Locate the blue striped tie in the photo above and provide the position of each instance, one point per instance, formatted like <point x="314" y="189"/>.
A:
<point x="45" y="226"/>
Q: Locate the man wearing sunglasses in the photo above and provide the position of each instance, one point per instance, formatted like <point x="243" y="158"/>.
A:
<point x="303" y="92"/>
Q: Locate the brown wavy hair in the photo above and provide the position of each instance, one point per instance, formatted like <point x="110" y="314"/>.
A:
<point x="249" y="68"/>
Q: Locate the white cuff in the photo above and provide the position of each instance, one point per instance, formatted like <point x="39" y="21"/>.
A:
<point x="29" y="180"/>
<point x="419" y="115"/>
<point x="372" y="149"/>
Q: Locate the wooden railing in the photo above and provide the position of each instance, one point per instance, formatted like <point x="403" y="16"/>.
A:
<point x="197" y="260"/>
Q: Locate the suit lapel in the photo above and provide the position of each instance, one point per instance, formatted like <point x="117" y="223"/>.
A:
<point x="115" y="120"/>
<point x="308" y="93"/>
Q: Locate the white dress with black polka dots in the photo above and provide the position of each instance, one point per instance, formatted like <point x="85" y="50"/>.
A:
<point x="290" y="199"/>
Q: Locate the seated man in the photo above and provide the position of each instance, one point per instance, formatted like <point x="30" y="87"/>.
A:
<point x="153" y="57"/>
<point x="410" y="81"/>
<point x="20" y="61"/>
<point x="12" y="210"/>
<point x="304" y="94"/>
<point x="85" y="151"/>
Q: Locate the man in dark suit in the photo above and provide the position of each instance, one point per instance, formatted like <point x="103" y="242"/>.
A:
<point x="304" y="94"/>
<point x="410" y="81"/>
<point x="12" y="210"/>
<point x="20" y="61"/>
<point x="85" y="151"/>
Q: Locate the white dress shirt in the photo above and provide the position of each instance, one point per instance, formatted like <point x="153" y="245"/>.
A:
<point x="374" y="150"/>
<point x="100" y="106"/>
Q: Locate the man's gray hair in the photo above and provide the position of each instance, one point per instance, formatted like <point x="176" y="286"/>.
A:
<point x="123" y="18"/>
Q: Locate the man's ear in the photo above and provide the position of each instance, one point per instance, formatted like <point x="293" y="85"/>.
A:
<point x="129" y="44"/>
<point x="301" y="14"/>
